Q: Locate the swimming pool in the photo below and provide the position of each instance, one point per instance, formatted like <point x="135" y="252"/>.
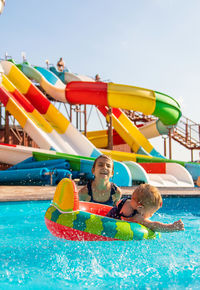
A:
<point x="31" y="258"/>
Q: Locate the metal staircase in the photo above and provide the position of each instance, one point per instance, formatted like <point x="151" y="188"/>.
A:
<point x="187" y="132"/>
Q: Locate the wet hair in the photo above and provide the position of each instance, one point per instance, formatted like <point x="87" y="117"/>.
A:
<point x="148" y="195"/>
<point x="105" y="157"/>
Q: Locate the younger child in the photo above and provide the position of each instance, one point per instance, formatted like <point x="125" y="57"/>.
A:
<point x="101" y="190"/>
<point x="145" y="201"/>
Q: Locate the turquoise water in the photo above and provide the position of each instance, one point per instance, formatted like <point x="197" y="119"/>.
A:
<point x="31" y="258"/>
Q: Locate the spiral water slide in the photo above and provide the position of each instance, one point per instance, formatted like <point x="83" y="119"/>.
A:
<point x="45" y="124"/>
<point x="160" y="175"/>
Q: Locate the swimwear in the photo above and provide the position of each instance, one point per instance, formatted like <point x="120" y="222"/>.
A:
<point x="115" y="211"/>
<point x="109" y="201"/>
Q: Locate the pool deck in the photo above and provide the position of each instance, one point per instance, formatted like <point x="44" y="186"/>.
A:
<point x="23" y="193"/>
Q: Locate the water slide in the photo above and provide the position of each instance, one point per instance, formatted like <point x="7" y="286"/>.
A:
<point x="55" y="88"/>
<point x="125" y="128"/>
<point x="134" y="137"/>
<point x="30" y="119"/>
<point x="66" y="76"/>
<point x="126" y="132"/>
<point x="44" y="123"/>
<point x="150" y="130"/>
<point x="129" y="132"/>
<point x="48" y="81"/>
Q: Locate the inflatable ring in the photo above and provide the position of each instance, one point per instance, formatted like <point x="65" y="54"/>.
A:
<point x="72" y="219"/>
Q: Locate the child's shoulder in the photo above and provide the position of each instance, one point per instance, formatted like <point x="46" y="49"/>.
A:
<point x="122" y="201"/>
<point x="115" y="188"/>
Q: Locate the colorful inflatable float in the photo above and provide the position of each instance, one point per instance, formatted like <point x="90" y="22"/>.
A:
<point x="71" y="219"/>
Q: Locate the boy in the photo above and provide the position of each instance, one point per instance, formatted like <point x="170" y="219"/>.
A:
<point x="145" y="201"/>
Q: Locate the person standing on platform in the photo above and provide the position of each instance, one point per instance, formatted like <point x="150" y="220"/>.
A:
<point x="60" y="64"/>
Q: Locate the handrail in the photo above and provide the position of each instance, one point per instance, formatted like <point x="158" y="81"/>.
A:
<point x="186" y="132"/>
<point x="189" y="131"/>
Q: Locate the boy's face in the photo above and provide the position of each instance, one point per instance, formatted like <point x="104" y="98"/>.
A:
<point x="103" y="168"/>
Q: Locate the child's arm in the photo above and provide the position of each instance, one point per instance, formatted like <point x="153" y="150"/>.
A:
<point x="161" y="227"/>
<point x="117" y="196"/>
<point x="83" y="194"/>
<point x="158" y="226"/>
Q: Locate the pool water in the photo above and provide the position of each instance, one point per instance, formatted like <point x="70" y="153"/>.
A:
<point x="31" y="258"/>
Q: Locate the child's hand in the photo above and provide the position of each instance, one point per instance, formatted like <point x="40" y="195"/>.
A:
<point x="178" y="225"/>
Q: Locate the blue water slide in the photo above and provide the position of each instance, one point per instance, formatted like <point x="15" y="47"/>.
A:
<point x="59" y="74"/>
<point x="194" y="169"/>
<point x="57" y="163"/>
<point x="47" y="74"/>
<point x="23" y="175"/>
<point x="59" y="174"/>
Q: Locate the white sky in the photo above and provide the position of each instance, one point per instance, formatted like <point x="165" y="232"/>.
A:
<point x="153" y="44"/>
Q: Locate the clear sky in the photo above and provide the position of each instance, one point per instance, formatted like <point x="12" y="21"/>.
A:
<point x="153" y="44"/>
